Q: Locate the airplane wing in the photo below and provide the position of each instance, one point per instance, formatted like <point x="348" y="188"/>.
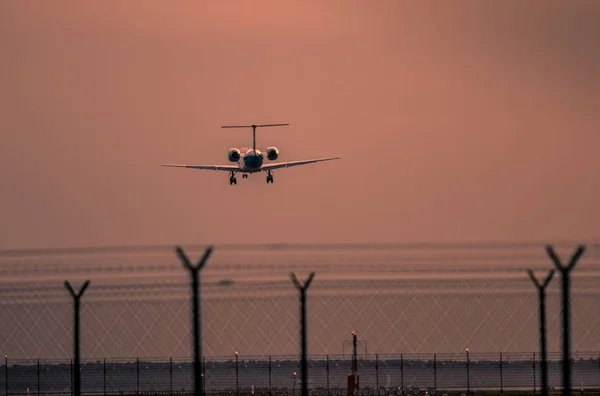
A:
<point x="226" y="168"/>
<point x="295" y="163"/>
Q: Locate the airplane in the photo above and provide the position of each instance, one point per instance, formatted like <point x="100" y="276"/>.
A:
<point x="251" y="160"/>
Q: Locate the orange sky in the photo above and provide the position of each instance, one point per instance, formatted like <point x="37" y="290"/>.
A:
<point x="455" y="121"/>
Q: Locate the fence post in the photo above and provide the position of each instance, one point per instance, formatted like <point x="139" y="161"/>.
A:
<point x="204" y="376"/>
<point x="501" y="379"/>
<point x="327" y="375"/>
<point x="77" y="333"/>
<point x="104" y="376"/>
<point x="533" y="365"/>
<point x="38" y="377"/>
<point x="196" y="312"/>
<point x="401" y="371"/>
<point x="137" y="375"/>
<point x="542" y="308"/>
<point x="171" y="376"/>
<point x="468" y="373"/>
<point x="435" y="371"/>
<point x="6" y="374"/>
<point x="302" y="288"/>
<point x="237" y="382"/>
<point x="270" y="373"/>
<point x="71" y="365"/>
<point x="377" y="371"/>
<point x="565" y="271"/>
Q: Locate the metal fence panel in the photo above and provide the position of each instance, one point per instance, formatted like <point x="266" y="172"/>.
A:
<point x="280" y="375"/>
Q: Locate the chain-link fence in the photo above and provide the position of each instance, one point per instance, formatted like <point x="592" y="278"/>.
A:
<point x="414" y="300"/>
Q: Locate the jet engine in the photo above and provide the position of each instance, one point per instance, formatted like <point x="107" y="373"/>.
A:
<point x="234" y="155"/>
<point x="272" y="153"/>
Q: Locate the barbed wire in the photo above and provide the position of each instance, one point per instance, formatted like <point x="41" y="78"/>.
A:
<point x="161" y="248"/>
<point x="257" y="258"/>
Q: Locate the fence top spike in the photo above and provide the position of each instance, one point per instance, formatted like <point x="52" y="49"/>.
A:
<point x="564" y="269"/>
<point x="536" y="281"/>
<point x="81" y="290"/>
<point x="187" y="263"/>
<point x="309" y="280"/>
<point x="299" y="284"/>
<point x="295" y="281"/>
<point x="533" y="278"/>
<point x="548" y="278"/>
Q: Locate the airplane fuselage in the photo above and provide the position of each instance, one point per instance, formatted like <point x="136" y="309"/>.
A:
<point x="251" y="161"/>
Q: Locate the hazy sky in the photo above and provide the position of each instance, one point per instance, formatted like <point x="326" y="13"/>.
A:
<point x="462" y="120"/>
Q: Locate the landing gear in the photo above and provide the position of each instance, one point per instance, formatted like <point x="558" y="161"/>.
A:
<point x="244" y="175"/>
<point x="269" y="177"/>
<point x="232" y="179"/>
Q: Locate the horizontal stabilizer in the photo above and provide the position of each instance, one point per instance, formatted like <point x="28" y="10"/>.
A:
<point x="253" y="125"/>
